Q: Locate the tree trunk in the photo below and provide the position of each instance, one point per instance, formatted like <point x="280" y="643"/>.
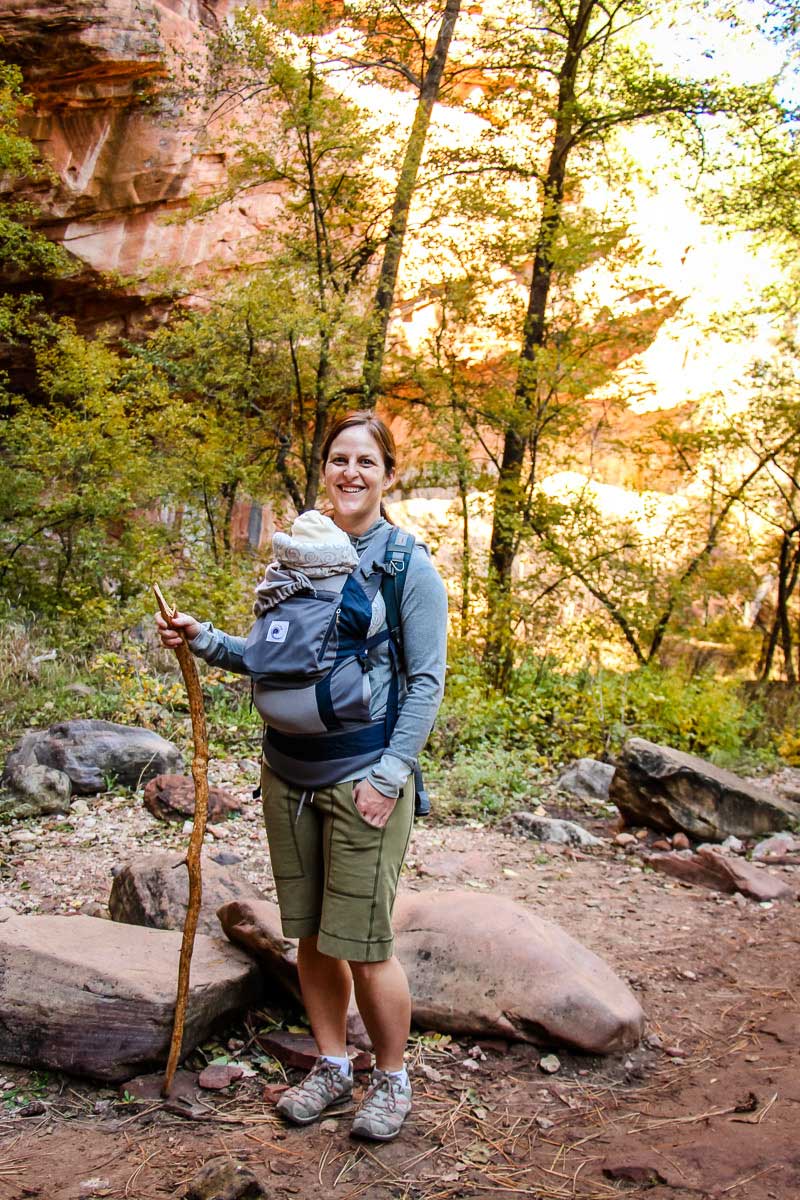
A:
<point x="768" y="653"/>
<point x="508" y="497"/>
<point x="462" y="480"/>
<point x="229" y="491"/>
<point x="387" y="280"/>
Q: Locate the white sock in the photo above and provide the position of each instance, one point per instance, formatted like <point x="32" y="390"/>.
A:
<point x="400" y="1077"/>
<point x="344" y="1064"/>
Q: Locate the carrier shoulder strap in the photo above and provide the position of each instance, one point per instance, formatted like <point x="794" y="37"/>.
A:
<point x="399" y="549"/>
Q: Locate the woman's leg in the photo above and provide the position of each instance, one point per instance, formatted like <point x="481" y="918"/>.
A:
<point x="384" y="1002"/>
<point x="326" y="984"/>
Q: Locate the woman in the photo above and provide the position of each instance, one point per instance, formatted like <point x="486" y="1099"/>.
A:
<point x="337" y="860"/>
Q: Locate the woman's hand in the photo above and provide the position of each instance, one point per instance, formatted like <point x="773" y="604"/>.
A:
<point x="374" y="807"/>
<point x="169" y="633"/>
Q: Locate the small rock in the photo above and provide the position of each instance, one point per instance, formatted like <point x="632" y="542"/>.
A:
<point x="22" y="837"/>
<point x="218" y="1076"/>
<point x="272" y="1092"/>
<point x="673" y="1051"/>
<point x="171" y="798"/>
<point x="34" y="1109"/>
<point x="653" y="1042"/>
<point x="661" y="844"/>
<point x="37" y="790"/>
<point x="79" y="808"/>
<point x="635" y="1173"/>
<point x="299" y="1050"/>
<point x="79" y="689"/>
<point x="329" y="1126"/>
<point x="549" y="1064"/>
<point x="224" y="858"/>
<point x="777" y="843"/>
<point x="544" y="1123"/>
<point x="225" y="1180"/>
<point x="587" y="778"/>
<point x="624" y="839"/>
<point x="548" y="829"/>
<point x="94" y="1187"/>
<point x="218" y="832"/>
<point x="733" y="844"/>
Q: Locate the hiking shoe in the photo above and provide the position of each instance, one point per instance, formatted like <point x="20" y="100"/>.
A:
<point x="323" y="1086"/>
<point x="385" y="1106"/>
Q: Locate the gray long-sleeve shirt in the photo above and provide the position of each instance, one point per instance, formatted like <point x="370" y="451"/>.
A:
<point x="423" y="617"/>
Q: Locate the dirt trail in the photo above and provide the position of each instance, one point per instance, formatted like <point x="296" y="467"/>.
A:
<point x="708" y="1106"/>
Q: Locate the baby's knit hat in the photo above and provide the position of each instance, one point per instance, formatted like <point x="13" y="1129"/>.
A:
<point x="315" y="541"/>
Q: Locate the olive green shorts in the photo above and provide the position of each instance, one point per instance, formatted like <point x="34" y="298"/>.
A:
<point x="335" y="875"/>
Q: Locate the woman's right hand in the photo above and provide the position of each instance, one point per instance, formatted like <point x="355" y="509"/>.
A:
<point x="169" y="632"/>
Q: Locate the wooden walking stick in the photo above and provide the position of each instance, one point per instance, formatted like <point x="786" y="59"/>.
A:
<point x="200" y="777"/>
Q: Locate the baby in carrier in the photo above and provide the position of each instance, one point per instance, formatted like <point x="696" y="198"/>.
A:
<point x="315" y="550"/>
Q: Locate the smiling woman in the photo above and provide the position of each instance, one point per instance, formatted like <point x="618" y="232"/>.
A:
<point x="337" y="851"/>
<point x="360" y="458"/>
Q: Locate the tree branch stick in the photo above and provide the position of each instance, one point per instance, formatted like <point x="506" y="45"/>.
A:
<point x="200" y="777"/>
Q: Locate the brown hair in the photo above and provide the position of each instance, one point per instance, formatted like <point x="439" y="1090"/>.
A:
<point x="365" y="419"/>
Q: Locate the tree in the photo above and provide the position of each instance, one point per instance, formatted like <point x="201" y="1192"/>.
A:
<point x="326" y="156"/>
<point x="79" y="470"/>
<point x="573" y="75"/>
<point x="427" y="81"/>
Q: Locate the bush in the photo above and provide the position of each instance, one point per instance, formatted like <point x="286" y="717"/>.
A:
<point x="550" y="716"/>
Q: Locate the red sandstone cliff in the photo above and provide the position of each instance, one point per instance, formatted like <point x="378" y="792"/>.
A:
<point x="130" y="140"/>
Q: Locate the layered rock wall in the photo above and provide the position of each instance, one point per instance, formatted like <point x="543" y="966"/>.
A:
<point x="119" y="113"/>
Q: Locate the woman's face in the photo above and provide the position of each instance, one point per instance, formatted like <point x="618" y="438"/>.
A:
<point x="355" y="479"/>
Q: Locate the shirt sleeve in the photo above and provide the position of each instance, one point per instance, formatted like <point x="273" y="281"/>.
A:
<point x="423" y="616"/>
<point x="219" y="649"/>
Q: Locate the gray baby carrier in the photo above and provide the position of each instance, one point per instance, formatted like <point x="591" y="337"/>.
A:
<point x="308" y="657"/>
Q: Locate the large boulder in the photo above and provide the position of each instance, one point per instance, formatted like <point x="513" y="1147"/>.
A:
<point x="668" y="789"/>
<point x="484" y="966"/>
<point x="84" y="995"/>
<point x="33" y="790"/>
<point x="172" y="798"/>
<point x="94" y="753"/>
<point x="154" y="891"/>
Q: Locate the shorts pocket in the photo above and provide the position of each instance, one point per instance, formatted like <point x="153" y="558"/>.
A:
<point x="354" y="849"/>
<point x="280" y="811"/>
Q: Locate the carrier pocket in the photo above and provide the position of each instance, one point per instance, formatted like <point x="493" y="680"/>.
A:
<point x="344" y="696"/>
<point x="294" y="644"/>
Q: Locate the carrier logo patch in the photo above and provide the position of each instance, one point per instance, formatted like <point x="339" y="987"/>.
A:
<point x="277" y="631"/>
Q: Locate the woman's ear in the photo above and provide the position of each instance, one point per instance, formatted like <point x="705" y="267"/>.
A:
<point x="388" y="481"/>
